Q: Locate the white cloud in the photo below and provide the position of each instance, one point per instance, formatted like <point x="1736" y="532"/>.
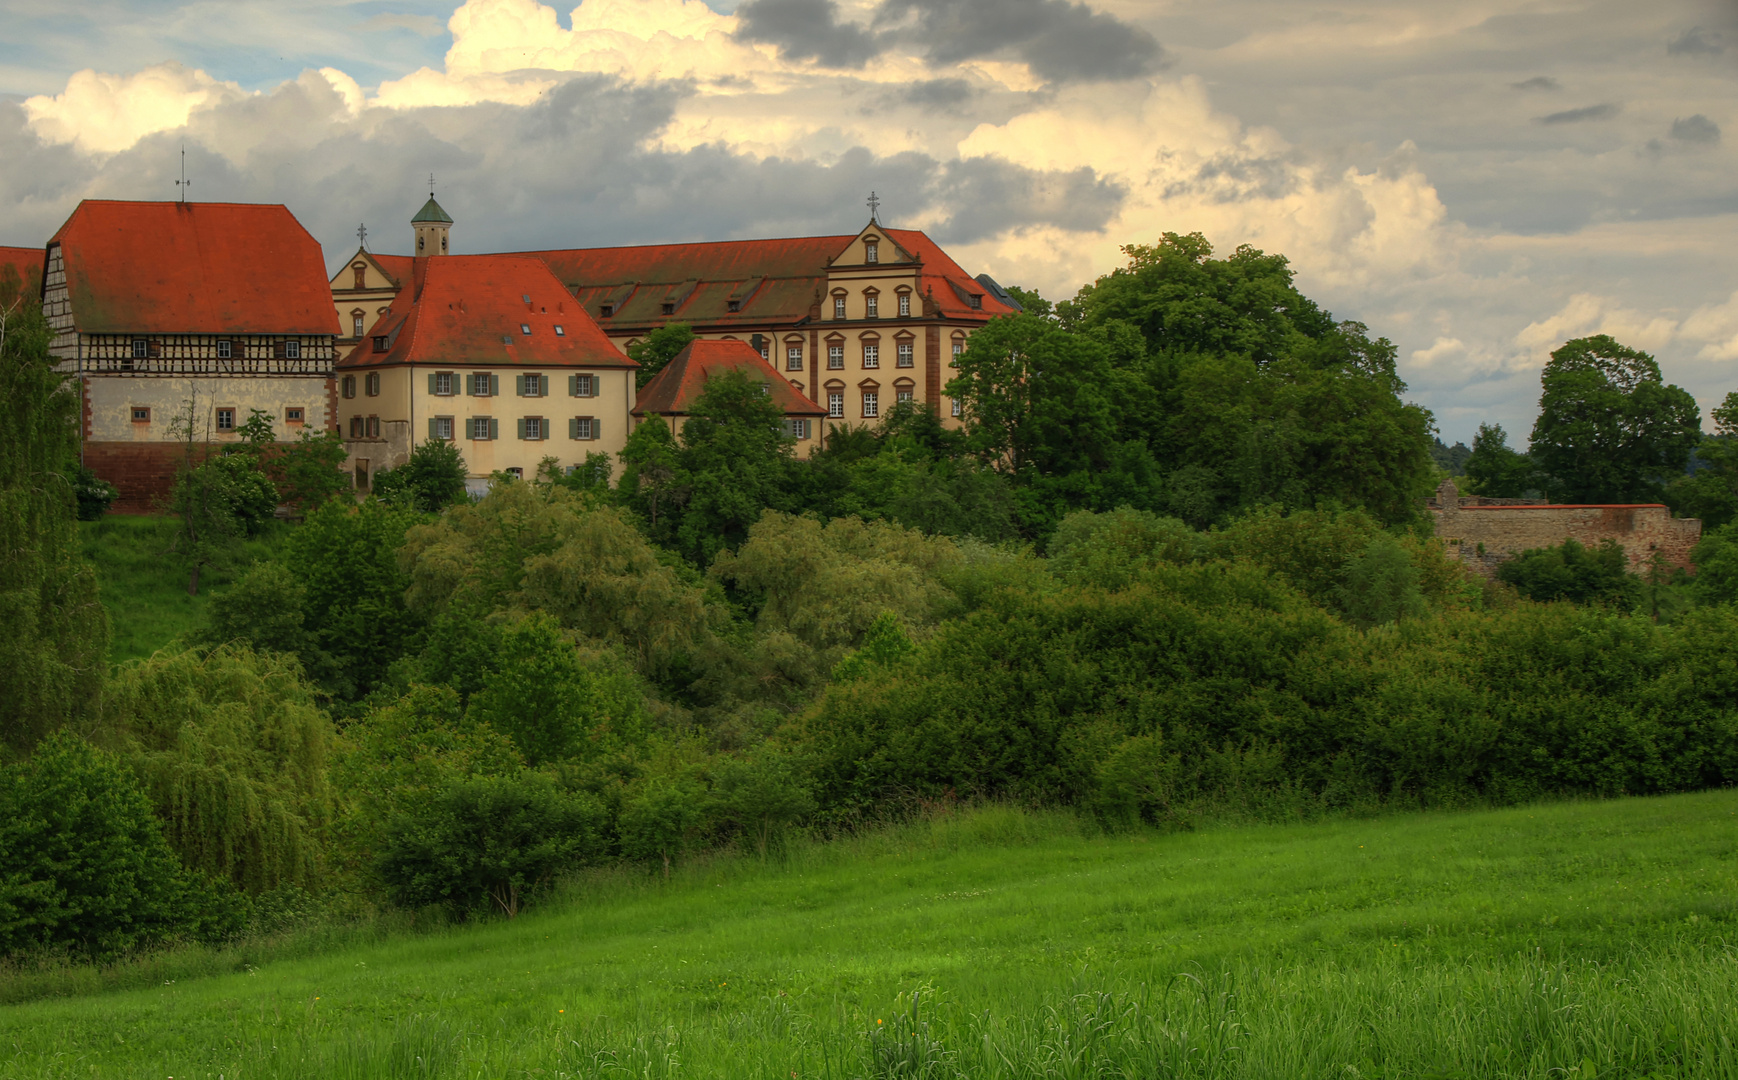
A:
<point x="103" y="113"/>
<point x="1716" y="326"/>
<point x="1587" y="314"/>
<point x="1442" y="349"/>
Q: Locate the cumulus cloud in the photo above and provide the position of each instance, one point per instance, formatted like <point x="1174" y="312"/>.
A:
<point x="807" y="30"/>
<point x="1060" y="41"/>
<point x="103" y="113"/>
<point x="1587" y="314"/>
<point x="1715" y="327"/>
<point x="1576" y="116"/>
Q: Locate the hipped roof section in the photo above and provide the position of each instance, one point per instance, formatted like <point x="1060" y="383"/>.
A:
<point x="673" y="391"/>
<point x="27" y="264"/>
<point x="774" y="281"/>
<point x="193" y="268"/>
<point x="473" y="310"/>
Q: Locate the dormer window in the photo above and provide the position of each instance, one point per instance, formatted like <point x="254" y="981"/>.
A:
<point x="733" y="305"/>
<point x="381" y="343"/>
<point x="977" y="300"/>
<point x="608" y="310"/>
<point x="669" y="307"/>
<point x="872" y="252"/>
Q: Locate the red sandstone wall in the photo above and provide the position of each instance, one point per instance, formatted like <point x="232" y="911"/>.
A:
<point x="1505" y="531"/>
<point x="143" y="471"/>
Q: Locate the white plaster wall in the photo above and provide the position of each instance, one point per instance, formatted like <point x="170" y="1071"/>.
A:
<point x="112" y="397"/>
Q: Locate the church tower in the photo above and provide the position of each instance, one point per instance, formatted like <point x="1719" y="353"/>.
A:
<point x="431" y="224"/>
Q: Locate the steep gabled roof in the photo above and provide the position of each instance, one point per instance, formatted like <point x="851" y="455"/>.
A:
<point x="474" y="310"/>
<point x="775" y="281"/>
<point x="27" y="264"/>
<point x="397" y="268"/>
<point x="166" y="267"/>
<point x="673" y="391"/>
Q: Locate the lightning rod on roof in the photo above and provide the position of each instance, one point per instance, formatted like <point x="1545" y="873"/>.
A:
<point x="183" y="183"/>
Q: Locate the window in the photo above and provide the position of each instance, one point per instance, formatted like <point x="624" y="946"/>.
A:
<point x="141" y="348"/>
<point x="293" y="416"/>
<point x="443" y="384"/>
<point x="838" y="313"/>
<point x="482" y="384"/>
<point x="531" y="429"/>
<point x="905" y="305"/>
<point x="796" y="428"/>
<point x="361" y="279"/>
<point x="141" y="414"/>
<point x="371" y="384"/>
<point x="374" y="427"/>
<point x="516" y="473"/>
<point x="836" y="357"/>
<point x="482" y="428"/>
<point x="956" y="405"/>
<point x="356" y="324"/>
<point x="903" y="397"/>
<point x="532" y="385"/>
<point x="733" y="305"/>
<point x="872" y="252"/>
<point x="835" y="404"/>
<point x="959" y="348"/>
<point x="355" y="427"/>
<point x="560" y="331"/>
<point x="871" y="354"/>
<point x="582" y="386"/>
<point x="382" y="343"/>
<point x="349" y="385"/>
<point x="793" y="358"/>
<point x="582" y="427"/>
<point x="871" y="404"/>
<point x="226" y="419"/>
<point x="904" y="354"/>
<point x="607" y="310"/>
<point x="293" y="349"/>
<point x="441" y="427"/>
<point x="669" y="307"/>
<point x="525" y="328"/>
<point x="871" y="306"/>
<point x="225" y="349"/>
<point x="977" y="300"/>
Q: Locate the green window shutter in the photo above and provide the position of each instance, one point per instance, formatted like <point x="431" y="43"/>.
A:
<point x="494" y="386"/>
<point x="519" y="385"/>
<point x="466" y="379"/>
<point x="431" y="382"/>
<point x="573" y="427"/>
<point x="573" y="386"/>
<point x="431" y="427"/>
<point x="494" y="425"/>
<point x="542" y="386"/>
<point x="521" y="427"/>
<point x="597" y="429"/>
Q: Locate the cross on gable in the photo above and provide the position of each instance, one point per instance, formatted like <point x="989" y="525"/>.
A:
<point x="874" y="202"/>
<point x="362" y="236"/>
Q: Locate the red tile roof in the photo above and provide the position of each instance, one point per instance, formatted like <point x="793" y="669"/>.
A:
<point x="469" y="310"/>
<point x="399" y="267"/>
<point x="166" y="267"/>
<point x="674" y="390"/>
<point x="776" y="280"/>
<point x="27" y="264"/>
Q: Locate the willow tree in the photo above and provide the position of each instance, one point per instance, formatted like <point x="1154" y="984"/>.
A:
<point x="52" y="654"/>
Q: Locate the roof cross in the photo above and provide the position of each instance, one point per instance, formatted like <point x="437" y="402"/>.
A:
<point x="874" y="205"/>
<point x="184" y="183"/>
<point x="362" y="236"/>
<point x="431" y="185"/>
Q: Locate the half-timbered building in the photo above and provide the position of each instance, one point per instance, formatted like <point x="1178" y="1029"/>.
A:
<point x="182" y="319"/>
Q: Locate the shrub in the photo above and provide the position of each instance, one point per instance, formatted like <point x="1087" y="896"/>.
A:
<point x="760" y="795"/>
<point x="659" y="822"/>
<point x="492" y="843"/>
<point x="1574" y="572"/>
<point x="94" y="494"/>
<point x="1381" y="585"/>
<point x="551" y="705"/>
<point x="433" y="478"/>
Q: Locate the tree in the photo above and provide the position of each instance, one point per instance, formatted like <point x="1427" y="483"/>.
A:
<point x="1710" y="491"/>
<point x="1609" y="431"/>
<point x="433" y="478"/>
<point x="216" y="500"/>
<point x="1494" y="469"/>
<point x="1381" y="585"/>
<point x="736" y="459"/>
<point x="659" y="822"/>
<point x="54" y="651"/>
<point x="552" y="706"/>
<point x="761" y="795"/>
<point x="658" y="349"/>
<point x="1574" y="572"/>
<point x="652" y="483"/>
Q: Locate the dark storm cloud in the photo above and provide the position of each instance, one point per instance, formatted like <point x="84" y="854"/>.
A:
<point x="1696" y="42"/>
<point x="1576" y="116"/>
<point x="1537" y="82"/>
<point x="807" y="30"/>
<point x="571" y="170"/>
<point x="1695" y="129"/>
<point x="1061" y="41"/>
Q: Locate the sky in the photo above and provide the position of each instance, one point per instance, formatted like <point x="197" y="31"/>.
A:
<point x="1476" y="180"/>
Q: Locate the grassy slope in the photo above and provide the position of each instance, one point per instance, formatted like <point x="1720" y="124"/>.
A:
<point x="145" y="589"/>
<point x="1567" y="941"/>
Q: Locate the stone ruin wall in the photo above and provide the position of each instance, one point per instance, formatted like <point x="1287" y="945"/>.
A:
<point x="1484" y="533"/>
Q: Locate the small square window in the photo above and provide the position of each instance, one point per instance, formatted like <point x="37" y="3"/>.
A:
<point x="525" y="298"/>
<point x="903" y="396"/>
<point x="141" y="414"/>
<point x="293" y="349"/>
<point x="585" y="386"/>
<point x="293" y="416"/>
<point x="226" y="419"/>
<point x="583" y="428"/>
<point x="977" y="300"/>
<point x="560" y="331"/>
<point x="443" y="384"/>
<point x="525" y="328"/>
<point x="141" y="348"/>
<point x="669" y="307"/>
<point x="835" y="404"/>
<point x="225" y="349"/>
<point x="533" y="428"/>
<point x="607" y="310"/>
<point x="480" y="385"/>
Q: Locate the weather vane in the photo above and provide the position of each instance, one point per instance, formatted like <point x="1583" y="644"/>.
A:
<point x="183" y="183"/>
<point x="874" y="206"/>
<point x="362" y="236"/>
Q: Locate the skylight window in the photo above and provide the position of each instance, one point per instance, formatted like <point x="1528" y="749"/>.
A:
<point x="559" y="332"/>
<point x="525" y="328"/>
<point x="525" y="298"/>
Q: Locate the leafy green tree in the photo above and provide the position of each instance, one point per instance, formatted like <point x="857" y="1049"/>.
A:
<point x="1574" y="572"/>
<point x="1710" y="491"/>
<point x="738" y="463"/>
<point x="552" y="706"/>
<point x="345" y="557"/>
<point x="658" y="349"/>
<point x="761" y="795"/>
<point x="433" y="478"/>
<point x="266" y="610"/>
<point x="885" y="643"/>
<point x="1716" y="559"/>
<point x="216" y="499"/>
<point x="1609" y="430"/>
<point x="1110" y="550"/>
<point x="1309" y="549"/>
<point x="232" y="750"/>
<point x="1496" y="470"/>
<point x="660" y="822"/>
<point x="1032" y="303"/>
<point x="309" y="471"/>
<point x="491" y="843"/>
<point x="1133" y="782"/>
<point x="1381" y="585"/>
<point x="55" y="649"/>
<point x="653" y="484"/>
<point x="83" y="862"/>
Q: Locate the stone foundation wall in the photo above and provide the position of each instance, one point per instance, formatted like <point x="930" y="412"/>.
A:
<point x="1486" y="536"/>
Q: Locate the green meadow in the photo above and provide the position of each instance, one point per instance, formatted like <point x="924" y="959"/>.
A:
<point x="1564" y="940"/>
